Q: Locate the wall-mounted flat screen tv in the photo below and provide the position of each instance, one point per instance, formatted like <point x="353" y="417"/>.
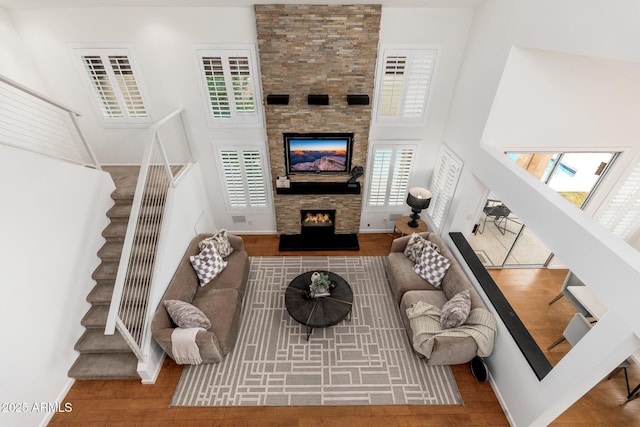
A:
<point x="318" y="152"/>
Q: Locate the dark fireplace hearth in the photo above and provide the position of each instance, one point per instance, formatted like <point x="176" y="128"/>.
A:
<point x="317" y="233"/>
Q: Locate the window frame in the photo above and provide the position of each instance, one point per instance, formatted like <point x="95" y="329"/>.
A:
<point x="410" y="51"/>
<point x="226" y="51"/>
<point x="395" y="146"/>
<point x="105" y="52"/>
<point x="264" y="167"/>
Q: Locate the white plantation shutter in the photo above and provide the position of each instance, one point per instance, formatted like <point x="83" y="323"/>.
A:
<point x="389" y="177"/>
<point x="244" y="177"/>
<point x="229" y="82"/>
<point x="113" y="80"/>
<point x="443" y="185"/>
<point x="216" y="87"/>
<point x="403" y="85"/>
<point x="622" y="214"/>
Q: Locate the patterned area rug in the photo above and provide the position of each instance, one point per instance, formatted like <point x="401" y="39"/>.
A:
<point x="367" y="360"/>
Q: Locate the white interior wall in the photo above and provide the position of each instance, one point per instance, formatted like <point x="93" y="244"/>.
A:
<point x="15" y="60"/>
<point x="444" y="28"/>
<point x="51" y="228"/>
<point x="568" y="28"/>
<point x="161" y="42"/>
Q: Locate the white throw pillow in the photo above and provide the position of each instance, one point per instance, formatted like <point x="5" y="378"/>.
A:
<point x="432" y="266"/>
<point x="221" y="242"/>
<point x="207" y="264"/>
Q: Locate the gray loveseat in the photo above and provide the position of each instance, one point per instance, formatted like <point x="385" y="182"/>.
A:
<point x="220" y="300"/>
<point x="408" y="288"/>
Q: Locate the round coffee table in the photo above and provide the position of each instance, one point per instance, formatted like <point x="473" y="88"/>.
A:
<point x="318" y="312"/>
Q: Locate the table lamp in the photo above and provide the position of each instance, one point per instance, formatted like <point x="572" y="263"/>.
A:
<point x="418" y="199"/>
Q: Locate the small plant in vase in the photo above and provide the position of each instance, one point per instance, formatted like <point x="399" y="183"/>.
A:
<point x="320" y="285"/>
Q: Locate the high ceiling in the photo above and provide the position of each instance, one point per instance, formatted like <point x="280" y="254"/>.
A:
<point x="47" y="4"/>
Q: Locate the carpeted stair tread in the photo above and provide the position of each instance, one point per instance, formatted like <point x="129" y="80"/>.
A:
<point x="96" y="317"/>
<point x="121" y="209"/>
<point x="107" y="366"/>
<point x="125" y="179"/>
<point x="95" y="341"/>
<point x="111" y="250"/>
<point x="106" y="270"/>
<point x="101" y="293"/>
<point x="118" y="230"/>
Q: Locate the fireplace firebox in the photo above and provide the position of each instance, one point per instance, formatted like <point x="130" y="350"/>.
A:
<point x="317" y="222"/>
<point x="317" y="233"/>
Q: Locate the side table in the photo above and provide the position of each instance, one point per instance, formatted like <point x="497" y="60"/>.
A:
<point x="401" y="226"/>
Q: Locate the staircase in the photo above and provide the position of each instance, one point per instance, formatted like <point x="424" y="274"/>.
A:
<point x="108" y="356"/>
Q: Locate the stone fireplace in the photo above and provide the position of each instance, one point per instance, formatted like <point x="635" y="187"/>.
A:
<point x="317" y="50"/>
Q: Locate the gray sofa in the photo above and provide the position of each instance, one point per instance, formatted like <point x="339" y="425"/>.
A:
<point x="220" y="300"/>
<point x="408" y="288"/>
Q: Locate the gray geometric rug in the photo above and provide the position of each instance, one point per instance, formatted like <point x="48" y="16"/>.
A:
<point x="367" y="360"/>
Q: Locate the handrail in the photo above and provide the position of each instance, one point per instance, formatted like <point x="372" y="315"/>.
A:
<point x="18" y="123"/>
<point x="130" y="312"/>
<point x="38" y="95"/>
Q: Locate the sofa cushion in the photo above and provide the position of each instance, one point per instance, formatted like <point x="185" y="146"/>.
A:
<point x="402" y="278"/>
<point x="456" y="310"/>
<point x="224" y="305"/>
<point x="432" y="266"/>
<point x="186" y="315"/>
<point x="207" y="264"/>
<point x="220" y="241"/>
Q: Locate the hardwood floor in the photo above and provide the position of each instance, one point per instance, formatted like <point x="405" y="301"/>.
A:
<point x="529" y="292"/>
<point x="130" y="403"/>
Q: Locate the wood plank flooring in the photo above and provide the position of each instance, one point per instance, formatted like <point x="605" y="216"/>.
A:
<point x="130" y="403"/>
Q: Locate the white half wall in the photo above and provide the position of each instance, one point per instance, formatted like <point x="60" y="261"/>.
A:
<point x="52" y="217"/>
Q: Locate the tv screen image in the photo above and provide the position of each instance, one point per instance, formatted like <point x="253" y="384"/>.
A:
<point x="318" y="153"/>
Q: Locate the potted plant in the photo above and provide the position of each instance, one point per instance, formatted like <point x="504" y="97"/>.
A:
<point x="320" y="284"/>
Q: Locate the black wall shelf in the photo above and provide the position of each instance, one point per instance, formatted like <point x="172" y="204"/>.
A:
<point x="320" y="188"/>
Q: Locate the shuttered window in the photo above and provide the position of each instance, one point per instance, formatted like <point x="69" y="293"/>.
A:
<point x="244" y="177"/>
<point x="622" y="214"/>
<point x="229" y="83"/>
<point x="403" y="85"/>
<point x="112" y="77"/>
<point x="443" y="186"/>
<point x="389" y="176"/>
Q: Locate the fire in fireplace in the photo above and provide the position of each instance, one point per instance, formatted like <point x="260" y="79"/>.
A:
<point x="319" y="218"/>
<point x="317" y="222"/>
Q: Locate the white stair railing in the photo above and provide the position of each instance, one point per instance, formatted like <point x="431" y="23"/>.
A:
<point x="129" y="310"/>
<point x="34" y="122"/>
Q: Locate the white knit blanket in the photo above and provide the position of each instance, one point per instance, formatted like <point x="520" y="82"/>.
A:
<point x="184" y="348"/>
<point x="425" y="322"/>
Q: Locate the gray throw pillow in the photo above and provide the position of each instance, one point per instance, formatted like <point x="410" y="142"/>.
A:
<point x="415" y="245"/>
<point x="186" y="315"/>
<point x="220" y="241"/>
<point x="456" y="310"/>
